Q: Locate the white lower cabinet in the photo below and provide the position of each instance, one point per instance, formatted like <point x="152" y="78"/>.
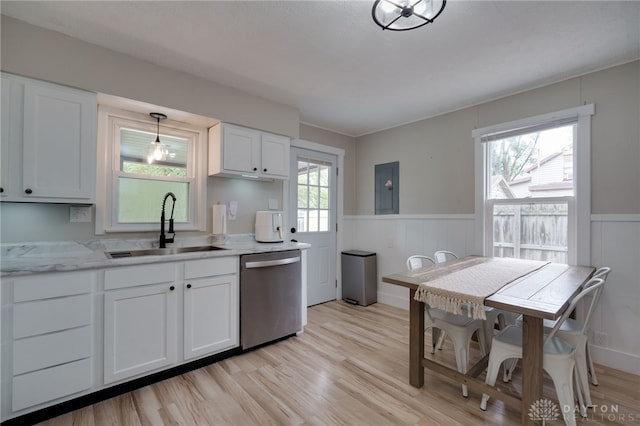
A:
<point x="146" y="325"/>
<point x="143" y="319"/>
<point x="49" y="355"/>
<point x="139" y="331"/>
<point x="211" y="309"/>
<point x="140" y="315"/>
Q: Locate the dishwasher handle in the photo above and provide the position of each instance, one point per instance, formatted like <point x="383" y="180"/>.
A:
<point x="277" y="262"/>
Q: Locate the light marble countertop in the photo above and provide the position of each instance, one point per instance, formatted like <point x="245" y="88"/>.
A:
<point x="35" y="257"/>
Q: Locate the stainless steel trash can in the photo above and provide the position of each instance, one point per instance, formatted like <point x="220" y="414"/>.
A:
<point x="359" y="277"/>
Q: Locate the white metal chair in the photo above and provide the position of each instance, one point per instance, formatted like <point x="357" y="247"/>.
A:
<point x="600" y="273"/>
<point x="418" y="261"/>
<point x="460" y="328"/>
<point x="492" y="314"/>
<point x="559" y="356"/>
<point x="442" y="256"/>
<point x="576" y="333"/>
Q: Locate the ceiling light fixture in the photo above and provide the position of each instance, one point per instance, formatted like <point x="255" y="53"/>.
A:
<point x="157" y="151"/>
<point x="403" y="15"/>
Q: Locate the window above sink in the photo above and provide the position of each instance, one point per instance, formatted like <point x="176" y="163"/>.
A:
<point x="129" y="188"/>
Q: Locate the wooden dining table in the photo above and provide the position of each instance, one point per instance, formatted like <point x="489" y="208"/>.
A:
<point x="542" y="294"/>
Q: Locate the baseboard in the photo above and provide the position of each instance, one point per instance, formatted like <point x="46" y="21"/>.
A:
<point x="628" y="363"/>
<point x="393" y="300"/>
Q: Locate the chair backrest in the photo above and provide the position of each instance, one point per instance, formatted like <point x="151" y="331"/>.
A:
<point x="593" y="285"/>
<point x="418" y="261"/>
<point x="601" y="273"/>
<point x="442" y="256"/>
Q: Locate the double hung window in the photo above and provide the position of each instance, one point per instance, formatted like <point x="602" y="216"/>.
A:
<point x="532" y="187"/>
<point x="135" y="184"/>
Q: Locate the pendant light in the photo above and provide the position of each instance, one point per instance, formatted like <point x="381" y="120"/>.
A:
<point x="403" y="15"/>
<point x="157" y="151"/>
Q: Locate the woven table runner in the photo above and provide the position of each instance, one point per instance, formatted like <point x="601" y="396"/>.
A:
<point x="478" y="279"/>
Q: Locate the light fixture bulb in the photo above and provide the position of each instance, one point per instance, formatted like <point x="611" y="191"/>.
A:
<point x="157" y="151"/>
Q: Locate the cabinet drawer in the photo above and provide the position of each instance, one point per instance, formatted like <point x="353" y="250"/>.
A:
<point x="51" y="383"/>
<point x="131" y="276"/>
<point x="52" y="285"/>
<point x="35" y="353"/>
<point x="32" y="318"/>
<point x="211" y="267"/>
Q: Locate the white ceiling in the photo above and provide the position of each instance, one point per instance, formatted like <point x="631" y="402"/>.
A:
<point x="344" y="73"/>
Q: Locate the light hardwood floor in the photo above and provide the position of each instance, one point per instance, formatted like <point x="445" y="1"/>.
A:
<point x="349" y="367"/>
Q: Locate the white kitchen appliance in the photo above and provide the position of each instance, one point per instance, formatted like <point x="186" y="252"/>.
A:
<point x="269" y="226"/>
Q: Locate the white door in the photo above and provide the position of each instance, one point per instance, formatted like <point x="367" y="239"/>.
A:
<point x="312" y="218"/>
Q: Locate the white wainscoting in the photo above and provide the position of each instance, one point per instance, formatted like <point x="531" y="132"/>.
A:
<point x="395" y="237"/>
<point x="615" y="243"/>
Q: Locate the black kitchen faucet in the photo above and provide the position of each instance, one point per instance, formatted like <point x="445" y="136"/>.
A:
<point x="163" y="239"/>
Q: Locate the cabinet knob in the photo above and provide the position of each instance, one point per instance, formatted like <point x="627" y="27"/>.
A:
<point x="255" y="169"/>
<point x="28" y="191"/>
<point x="172" y="288"/>
<point x="188" y="285"/>
<point x="1" y="189"/>
<point x="264" y="170"/>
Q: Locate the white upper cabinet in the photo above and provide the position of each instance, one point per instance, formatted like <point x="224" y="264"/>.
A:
<point x="48" y="142"/>
<point x="236" y="151"/>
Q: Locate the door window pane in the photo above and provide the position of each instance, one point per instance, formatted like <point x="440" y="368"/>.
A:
<point x="313" y="196"/>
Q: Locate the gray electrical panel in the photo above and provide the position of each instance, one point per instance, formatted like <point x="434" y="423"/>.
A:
<point x="359" y="277"/>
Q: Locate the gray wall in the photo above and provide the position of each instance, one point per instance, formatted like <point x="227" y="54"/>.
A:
<point x="436" y="154"/>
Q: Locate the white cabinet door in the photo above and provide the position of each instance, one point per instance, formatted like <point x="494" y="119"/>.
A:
<point x="49" y="141"/>
<point x="236" y="151"/>
<point x="140" y="332"/>
<point x="11" y="138"/>
<point x="59" y="143"/>
<point x="210" y="315"/>
<point x="240" y="149"/>
<point x="275" y="156"/>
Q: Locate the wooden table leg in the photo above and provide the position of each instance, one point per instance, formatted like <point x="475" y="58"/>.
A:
<point x="416" y="341"/>
<point x="532" y="351"/>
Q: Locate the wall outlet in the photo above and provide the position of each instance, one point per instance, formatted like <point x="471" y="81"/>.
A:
<point x="600" y="339"/>
<point x="80" y="213"/>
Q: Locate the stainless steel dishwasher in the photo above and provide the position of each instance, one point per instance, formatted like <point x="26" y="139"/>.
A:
<point x="270" y="297"/>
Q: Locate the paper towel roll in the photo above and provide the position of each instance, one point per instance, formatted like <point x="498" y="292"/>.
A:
<point x="219" y="214"/>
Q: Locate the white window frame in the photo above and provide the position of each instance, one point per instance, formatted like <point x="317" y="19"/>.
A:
<point x="110" y="120"/>
<point x="579" y="232"/>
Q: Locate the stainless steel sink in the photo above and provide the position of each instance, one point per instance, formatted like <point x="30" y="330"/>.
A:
<point x="159" y="251"/>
